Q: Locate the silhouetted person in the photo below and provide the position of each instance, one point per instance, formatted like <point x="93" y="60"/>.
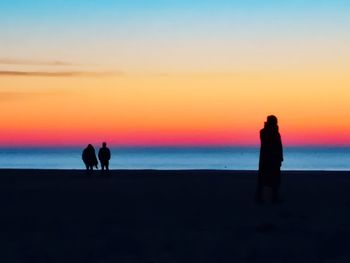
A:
<point x="271" y="158"/>
<point x="89" y="157"/>
<point x="104" y="155"/>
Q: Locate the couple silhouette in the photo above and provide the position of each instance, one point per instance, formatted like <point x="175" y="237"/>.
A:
<point x="90" y="160"/>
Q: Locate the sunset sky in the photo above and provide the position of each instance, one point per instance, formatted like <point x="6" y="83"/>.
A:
<point x="173" y="72"/>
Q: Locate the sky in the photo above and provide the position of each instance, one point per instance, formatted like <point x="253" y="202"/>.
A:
<point x="168" y="72"/>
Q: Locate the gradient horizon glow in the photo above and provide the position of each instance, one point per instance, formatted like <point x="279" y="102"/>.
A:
<point x="153" y="73"/>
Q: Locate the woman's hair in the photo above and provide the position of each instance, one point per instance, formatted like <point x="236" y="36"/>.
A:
<point x="271" y="122"/>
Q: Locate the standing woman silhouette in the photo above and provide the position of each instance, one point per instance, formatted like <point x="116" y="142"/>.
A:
<point x="89" y="157"/>
<point x="270" y="161"/>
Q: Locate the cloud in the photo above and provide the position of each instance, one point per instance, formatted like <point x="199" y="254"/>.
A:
<point x="59" y="73"/>
<point x="40" y="72"/>
<point x="11" y="61"/>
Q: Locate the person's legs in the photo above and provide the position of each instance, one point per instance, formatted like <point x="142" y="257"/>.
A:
<point x="275" y="186"/>
<point x="88" y="169"/>
<point x="275" y="194"/>
<point x="259" y="191"/>
<point x="104" y="166"/>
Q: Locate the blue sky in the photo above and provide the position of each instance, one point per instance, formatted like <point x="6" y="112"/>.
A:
<point x="75" y="29"/>
<point x="63" y="8"/>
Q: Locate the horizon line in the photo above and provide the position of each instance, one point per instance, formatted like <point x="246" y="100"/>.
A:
<point x="172" y="146"/>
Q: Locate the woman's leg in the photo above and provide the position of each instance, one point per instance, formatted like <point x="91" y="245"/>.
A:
<point x="259" y="190"/>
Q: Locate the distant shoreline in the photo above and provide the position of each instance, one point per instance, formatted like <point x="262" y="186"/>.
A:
<point x="246" y="159"/>
<point x="171" y="171"/>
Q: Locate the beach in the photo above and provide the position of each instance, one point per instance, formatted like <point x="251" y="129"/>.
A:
<point x="172" y="216"/>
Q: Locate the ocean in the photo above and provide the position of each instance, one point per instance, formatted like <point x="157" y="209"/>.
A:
<point x="225" y="158"/>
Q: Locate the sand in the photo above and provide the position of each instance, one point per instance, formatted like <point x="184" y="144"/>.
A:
<point x="172" y="216"/>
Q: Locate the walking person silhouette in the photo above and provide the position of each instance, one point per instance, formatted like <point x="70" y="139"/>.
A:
<point x="104" y="155"/>
<point x="270" y="160"/>
<point x="89" y="157"/>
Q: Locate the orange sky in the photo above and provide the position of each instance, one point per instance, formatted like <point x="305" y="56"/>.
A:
<point x="174" y="109"/>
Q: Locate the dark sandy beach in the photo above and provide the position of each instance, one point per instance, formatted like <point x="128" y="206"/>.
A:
<point x="172" y="216"/>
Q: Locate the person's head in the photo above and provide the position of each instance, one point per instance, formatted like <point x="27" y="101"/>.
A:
<point x="104" y="144"/>
<point x="90" y="146"/>
<point x="271" y="122"/>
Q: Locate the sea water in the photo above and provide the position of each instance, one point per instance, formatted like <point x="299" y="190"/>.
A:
<point x="225" y="158"/>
